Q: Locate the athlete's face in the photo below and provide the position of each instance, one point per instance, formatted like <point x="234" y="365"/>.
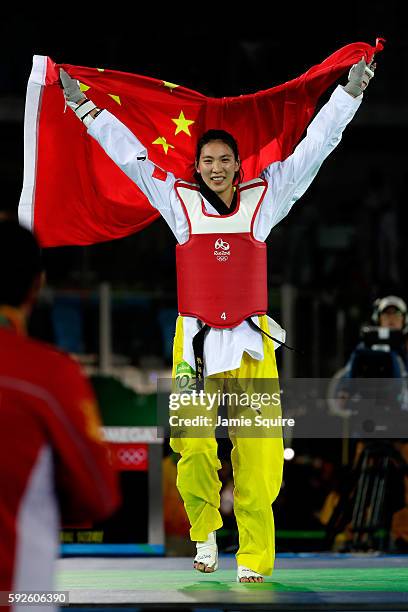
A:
<point x="217" y="166"/>
<point x="392" y="317"/>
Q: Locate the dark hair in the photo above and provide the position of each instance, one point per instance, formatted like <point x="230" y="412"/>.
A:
<point x="20" y="262"/>
<point x="227" y="139"/>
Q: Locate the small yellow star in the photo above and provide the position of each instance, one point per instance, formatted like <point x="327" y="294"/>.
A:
<point x="101" y="69"/>
<point x="116" y="98"/>
<point x="83" y="87"/>
<point x="182" y="124"/>
<point x="171" y="86"/>
<point x="162" y="141"/>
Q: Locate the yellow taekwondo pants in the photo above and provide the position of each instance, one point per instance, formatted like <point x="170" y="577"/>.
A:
<point x="257" y="464"/>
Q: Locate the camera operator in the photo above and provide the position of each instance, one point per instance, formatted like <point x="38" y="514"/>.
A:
<point x="387" y="335"/>
<point x="377" y="464"/>
<point x="381" y="353"/>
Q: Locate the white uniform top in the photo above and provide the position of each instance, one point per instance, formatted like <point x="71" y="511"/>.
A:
<point x="287" y="181"/>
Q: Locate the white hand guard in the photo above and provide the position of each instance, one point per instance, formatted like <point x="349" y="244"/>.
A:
<point x="75" y="99"/>
<point x="72" y="93"/>
<point x="359" y="77"/>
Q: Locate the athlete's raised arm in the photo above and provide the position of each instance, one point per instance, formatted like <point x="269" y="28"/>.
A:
<point x="126" y="150"/>
<point x="288" y="180"/>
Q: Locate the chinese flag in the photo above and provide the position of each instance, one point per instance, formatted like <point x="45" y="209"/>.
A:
<point x="73" y="194"/>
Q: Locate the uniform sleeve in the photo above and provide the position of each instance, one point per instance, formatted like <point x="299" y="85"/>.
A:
<point x="289" y="179"/>
<point x="124" y="148"/>
<point x="87" y="485"/>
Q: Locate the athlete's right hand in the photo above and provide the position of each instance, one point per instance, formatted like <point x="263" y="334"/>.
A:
<point x="72" y="92"/>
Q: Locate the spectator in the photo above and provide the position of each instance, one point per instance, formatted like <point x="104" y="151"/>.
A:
<point x="53" y="464"/>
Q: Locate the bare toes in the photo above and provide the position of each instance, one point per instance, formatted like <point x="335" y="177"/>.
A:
<point x="251" y="579"/>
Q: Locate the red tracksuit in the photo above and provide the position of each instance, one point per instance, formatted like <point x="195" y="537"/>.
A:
<point x="53" y="464"/>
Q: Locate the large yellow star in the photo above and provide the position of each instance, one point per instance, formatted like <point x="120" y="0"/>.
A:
<point x="83" y="87"/>
<point x="182" y="124"/>
<point x="162" y="141"/>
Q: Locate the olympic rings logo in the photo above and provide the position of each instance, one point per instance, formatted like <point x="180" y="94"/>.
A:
<point x="222" y="257"/>
<point x="132" y="456"/>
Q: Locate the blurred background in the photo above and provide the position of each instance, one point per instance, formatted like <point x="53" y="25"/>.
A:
<point x="342" y="246"/>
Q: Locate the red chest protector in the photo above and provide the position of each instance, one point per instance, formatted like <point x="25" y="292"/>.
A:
<point x="221" y="269"/>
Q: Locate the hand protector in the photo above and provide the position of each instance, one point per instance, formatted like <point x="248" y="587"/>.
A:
<point x="72" y="93"/>
<point x="75" y="99"/>
<point x="359" y="77"/>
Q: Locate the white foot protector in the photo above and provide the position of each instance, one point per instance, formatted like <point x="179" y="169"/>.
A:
<point x="245" y="572"/>
<point x="207" y="554"/>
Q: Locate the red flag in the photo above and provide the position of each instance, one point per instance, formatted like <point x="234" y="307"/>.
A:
<point x="74" y="194"/>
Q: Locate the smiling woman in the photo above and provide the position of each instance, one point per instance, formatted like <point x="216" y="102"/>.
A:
<point x="218" y="164"/>
<point x="223" y="299"/>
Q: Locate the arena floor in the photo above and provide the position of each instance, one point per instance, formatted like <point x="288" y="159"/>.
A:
<point x="300" y="582"/>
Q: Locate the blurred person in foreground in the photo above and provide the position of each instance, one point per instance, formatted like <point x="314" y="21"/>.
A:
<point x="53" y="464"/>
<point x="221" y="219"/>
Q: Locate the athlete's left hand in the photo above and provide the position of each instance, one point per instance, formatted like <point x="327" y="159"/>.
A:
<point x="359" y="77"/>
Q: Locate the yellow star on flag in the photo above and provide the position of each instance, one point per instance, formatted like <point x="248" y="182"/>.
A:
<point x="171" y="86"/>
<point x="116" y="98"/>
<point x="83" y="87"/>
<point x="162" y="141"/>
<point x="182" y="124"/>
